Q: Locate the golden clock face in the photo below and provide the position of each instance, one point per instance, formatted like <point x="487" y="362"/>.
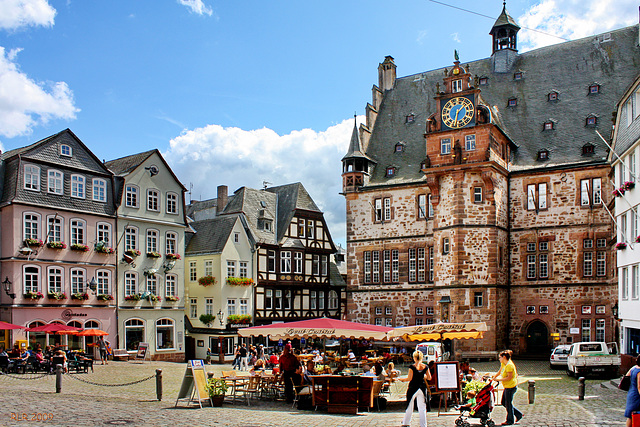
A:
<point x="457" y="112"/>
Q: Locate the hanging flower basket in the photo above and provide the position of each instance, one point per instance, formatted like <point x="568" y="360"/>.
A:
<point x="207" y="281"/>
<point x="104" y="297"/>
<point x="33" y="295"/>
<point x="134" y="297"/>
<point x="173" y="256"/>
<point x="57" y="295"/>
<point x="57" y="245"/>
<point x="79" y="247"/>
<point x="153" y="298"/>
<point x="239" y="281"/>
<point x="36" y="243"/>
<point x="621" y="246"/>
<point x="132" y="252"/>
<point x="628" y="185"/>
<point x="153" y="254"/>
<point x="207" y="319"/>
<point x="171" y="298"/>
<point x="81" y="296"/>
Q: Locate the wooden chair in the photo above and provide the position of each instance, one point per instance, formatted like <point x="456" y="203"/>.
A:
<point x="377" y="390"/>
<point x="251" y="388"/>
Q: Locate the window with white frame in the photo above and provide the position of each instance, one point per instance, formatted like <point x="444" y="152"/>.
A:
<point x="31" y="228"/>
<point x="387" y="208"/>
<point x="470" y="142"/>
<point x="634" y="282"/>
<point x="165" y="333"/>
<point x="208" y="267"/>
<point x="78" y="231"/>
<point x="478" y="299"/>
<point x="271" y="261"/>
<point x="297" y="262"/>
<point x="623" y="227"/>
<point x="130" y="238"/>
<point x="54" y="229"/>
<point x="445" y="146"/>
<point x="78" y="186"/>
<point x="231" y="306"/>
<point x="388" y="311"/>
<point x="78" y="280"/>
<point x="193" y="307"/>
<point x="301" y="227"/>
<point x="103" y="278"/>
<point x="333" y="300"/>
<point x="311" y="224"/>
<point x="430" y="205"/>
<point x="378" y="210"/>
<point x="268" y="299"/>
<point x="422" y="205"/>
<point x="243" y="269"/>
<point x="231" y="269"/>
<point x="591" y="191"/>
<point x="375" y="277"/>
<point x="172" y="203"/>
<point x="419" y="311"/>
<point x="32" y="177"/>
<point x="65" y="150"/>
<point x="324" y="259"/>
<point x="315" y="265"/>
<point x="152" y="241"/>
<point x="625" y="283"/>
<point x="537" y="196"/>
<point x="389" y="322"/>
<point x="55" y="182"/>
<point x="378" y="311"/>
<point x="386" y="266"/>
<point x="103" y="233"/>
<point x="151" y="284"/>
<point x="378" y="321"/>
<point x="632" y="165"/>
<point x="55" y="279"/>
<point x="445" y="246"/>
<point x="130" y="283"/>
<point x="456" y="86"/>
<point x="412" y="265"/>
<point x="193" y="271"/>
<point x="99" y="190"/>
<point x="236" y="237"/>
<point x="208" y="306"/>
<point x="134" y="333"/>
<point x="586" y="330"/>
<point x="171" y="240"/>
<point x="601" y="263"/>
<point x="367" y="266"/>
<point x="587" y="264"/>
<point x="153" y="200"/>
<point x="477" y="194"/>
<point x="421" y="265"/>
<point x="430" y="265"/>
<point x="285" y="262"/>
<point x="395" y="266"/>
<point x="244" y="306"/>
<point x="170" y="285"/>
<point x="600" y="330"/>
<point x="131" y="196"/>
<point x="31" y="279"/>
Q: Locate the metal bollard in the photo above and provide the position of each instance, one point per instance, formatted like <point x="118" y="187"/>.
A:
<point x="159" y="384"/>
<point x="581" y="388"/>
<point x="58" y="378"/>
<point x="532" y="391"/>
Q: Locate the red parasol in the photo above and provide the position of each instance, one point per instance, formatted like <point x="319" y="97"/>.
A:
<point x="54" y="328"/>
<point x="4" y="326"/>
<point x="92" y="333"/>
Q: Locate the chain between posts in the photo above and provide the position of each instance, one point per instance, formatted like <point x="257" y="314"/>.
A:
<point x="17" y="377"/>
<point x="75" y="377"/>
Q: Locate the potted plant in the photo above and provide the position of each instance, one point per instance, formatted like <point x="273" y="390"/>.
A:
<point x="57" y="245"/>
<point x="33" y="295"/>
<point x="105" y="249"/>
<point x="104" y="297"/>
<point x="132" y="252"/>
<point x="173" y="256"/>
<point x="57" y="295"/>
<point x="216" y="387"/>
<point x="153" y="254"/>
<point x="82" y="296"/>
<point x="33" y="242"/>
<point x="79" y="247"/>
<point x="207" y="281"/>
<point x="207" y="319"/>
<point x="628" y="185"/>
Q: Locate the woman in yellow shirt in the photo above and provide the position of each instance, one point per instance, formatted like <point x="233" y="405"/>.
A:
<point x="508" y="375"/>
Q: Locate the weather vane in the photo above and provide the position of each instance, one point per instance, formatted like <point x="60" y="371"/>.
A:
<point x="455" y="55"/>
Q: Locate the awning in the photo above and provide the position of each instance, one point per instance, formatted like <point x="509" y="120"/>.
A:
<point x="440" y="331"/>
<point x="318" y="328"/>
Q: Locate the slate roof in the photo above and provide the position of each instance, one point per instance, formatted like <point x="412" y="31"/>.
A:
<point x="613" y="61"/>
<point x="211" y="235"/>
<point x="291" y="197"/>
<point x="505" y="19"/>
<point x="127" y="164"/>
<point x="254" y="204"/>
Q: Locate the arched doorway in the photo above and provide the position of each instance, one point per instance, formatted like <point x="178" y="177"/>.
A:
<point x="537" y="338"/>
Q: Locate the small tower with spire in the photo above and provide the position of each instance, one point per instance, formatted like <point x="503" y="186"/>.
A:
<point x="504" y="37"/>
<point x="355" y="164"/>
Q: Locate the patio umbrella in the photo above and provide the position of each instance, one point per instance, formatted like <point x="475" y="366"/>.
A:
<point x="54" y="328"/>
<point x="4" y="326"/>
<point x="318" y="328"/>
<point x="92" y="333"/>
<point x="440" y="331"/>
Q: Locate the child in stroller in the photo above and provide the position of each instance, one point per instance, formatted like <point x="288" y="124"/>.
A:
<point x="480" y="408"/>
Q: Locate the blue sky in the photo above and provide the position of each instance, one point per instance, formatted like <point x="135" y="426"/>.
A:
<point x="240" y="93"/>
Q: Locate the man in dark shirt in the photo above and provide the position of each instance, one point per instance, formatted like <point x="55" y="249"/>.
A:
<point x="244" y="366"/>
<point x="288" y="366"/>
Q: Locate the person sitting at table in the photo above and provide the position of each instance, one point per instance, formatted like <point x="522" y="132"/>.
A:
<point x="14" y="352"/>
<point x="258" y="367"/>
<point x="61" y="353"/>
<point x="273" y="360"/>
<point x="392" y="372"/>
<point x="351" y="356"/>
<point x="42" y="362"/>
<point x="339" y="369"/>
<point x="310" y="370"/>
<point x="379" y="372"/>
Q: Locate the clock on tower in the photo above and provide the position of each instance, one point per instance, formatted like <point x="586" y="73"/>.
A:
<point x="458" y="112"/>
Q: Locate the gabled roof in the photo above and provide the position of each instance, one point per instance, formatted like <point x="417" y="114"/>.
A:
<point x="211" y="235"/>
<point x="125" y="165"/>
<point x="255" y="204"/>
<point x="291" y="198"/>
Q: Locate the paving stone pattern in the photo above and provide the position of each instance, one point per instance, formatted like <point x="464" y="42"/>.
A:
<point x="33" y="402"/>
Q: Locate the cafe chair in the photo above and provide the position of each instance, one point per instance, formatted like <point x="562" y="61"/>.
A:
<point x="250" y="388"/>
<point x="5" y="364"/>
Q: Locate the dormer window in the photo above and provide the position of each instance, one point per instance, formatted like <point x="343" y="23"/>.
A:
<point x="264" y="224"/>
<point x="399" y="147"/>
<point x="65" y="150"/>
<point x="594" y="88"/>
<point x="518" y="75"/>
<point x="543" y="155"/>
<point x="391" y="171"/>
<point x="410" y="118"/>
<point x="588" y="149"/>
<point x="483" y="81"/>
<point x="512" y="102"/>
<point x="591" y="121"/>
<point x="552" y="96"/>
<point x="456" y="86"/>
<point x="548" y="125"/>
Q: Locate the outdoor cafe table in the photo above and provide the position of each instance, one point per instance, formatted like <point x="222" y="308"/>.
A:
<point x="234" y="382"/>
<point x="342" y="394"/>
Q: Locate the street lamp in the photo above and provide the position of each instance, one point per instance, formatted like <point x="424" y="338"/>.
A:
<point x="221" y="317"/>
<point x="7" y="287"/>
<point x="93" y="285"/>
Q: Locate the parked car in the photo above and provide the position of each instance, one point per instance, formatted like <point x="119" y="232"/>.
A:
<point x="593" y="358"/>
<point x="431" y="351"/>
<point x="559" y="356"/>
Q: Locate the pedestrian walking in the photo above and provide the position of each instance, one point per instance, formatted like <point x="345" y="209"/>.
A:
<point x="102" y="345"/>
<point x="508" y="376"/>
<point x="236" y="358"/>
<point x="633" y="396"/>
<point x="244" y="363"/>
<point x="418" y="376"/>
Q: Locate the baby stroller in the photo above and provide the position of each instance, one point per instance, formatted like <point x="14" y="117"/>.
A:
<point x="482" y="409"/>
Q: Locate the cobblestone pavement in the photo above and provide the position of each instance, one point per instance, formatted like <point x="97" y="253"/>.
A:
<point x="35" y="402"/>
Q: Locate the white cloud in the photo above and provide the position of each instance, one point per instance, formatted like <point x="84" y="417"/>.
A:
<point x="573" y="19"/>
<point x="422" y="34"/>
<point x="213" y="155"/>
<point x="23" y="13"/>
<point x="25" y="103"/>
<point x="455" y="37"/>
<point x="197" y="6"/>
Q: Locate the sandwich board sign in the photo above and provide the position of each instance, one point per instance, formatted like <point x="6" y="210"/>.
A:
<point x="142" y="351"/>
<point x="194" y="384"/>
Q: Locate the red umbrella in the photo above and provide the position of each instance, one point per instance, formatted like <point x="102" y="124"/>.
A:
<point x="4" y="326"/>
<point x="54" y="328"/>
<point x="92" y="333"/>
<point x="318" y="328"/>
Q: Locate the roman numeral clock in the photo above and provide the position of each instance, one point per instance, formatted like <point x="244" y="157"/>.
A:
<point x="458" y="112"/>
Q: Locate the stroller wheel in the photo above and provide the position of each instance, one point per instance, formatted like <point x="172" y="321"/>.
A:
<point x="490" y="423"/>
<point x="459" y="422"/>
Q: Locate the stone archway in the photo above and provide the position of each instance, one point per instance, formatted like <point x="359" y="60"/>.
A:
<point x="537" y="338"/>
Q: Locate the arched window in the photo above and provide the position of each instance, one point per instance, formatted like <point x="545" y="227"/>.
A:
<point x="54" y="228"/>
<point x="165" y="334"/>
<point x="170" y="285"/>
<point x="130" y="238"/>
<point x="78" y="186"/>
<point x="31" y="278"/>
<point x="103" y="233"/>
<point x="133" y="334"/>
<point x="153" y="200"/>
<point x="78" y="231"/>
<point x="172" y="203"/>
<point x="37" y="337"/>
<point x="130" y="283"/>
<point x="55" y="182"/>
<point x="31" y="225"/>
<point x="74" y="341"/>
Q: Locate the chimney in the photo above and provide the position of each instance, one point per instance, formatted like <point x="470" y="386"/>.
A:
<point x="386" y="74"/>
<point x="221" y="201"/>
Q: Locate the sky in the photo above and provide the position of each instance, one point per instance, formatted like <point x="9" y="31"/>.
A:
<point x="242" y="94"/>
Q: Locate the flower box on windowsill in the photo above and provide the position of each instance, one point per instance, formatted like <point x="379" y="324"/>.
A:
<point x="628" y="185"/>
<point x="105" y="250"/>
<point x="171" y="298"/>
<point x="104" y="297"/>
<point x="57" y="295"/>
<point x="240" y="281"/>
<point x="134" y="297"/>
<point x="153" y="254"/>
<point x="172" y="256"/>
<point x="57" y="245"/>
<point x="618" y="192"/>
<point x="79" y="247"/>
<point x="239" y="319"/>
<point x="80" y="296"/>
<point x="34" y="243"/>
<point x="621" y="246"/>
<point x="33" y="295"/>
<point x="132" y="252"/>
<point x="207" y="281"/>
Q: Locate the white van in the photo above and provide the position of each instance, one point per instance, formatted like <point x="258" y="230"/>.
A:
<point x="431" y="351"/>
